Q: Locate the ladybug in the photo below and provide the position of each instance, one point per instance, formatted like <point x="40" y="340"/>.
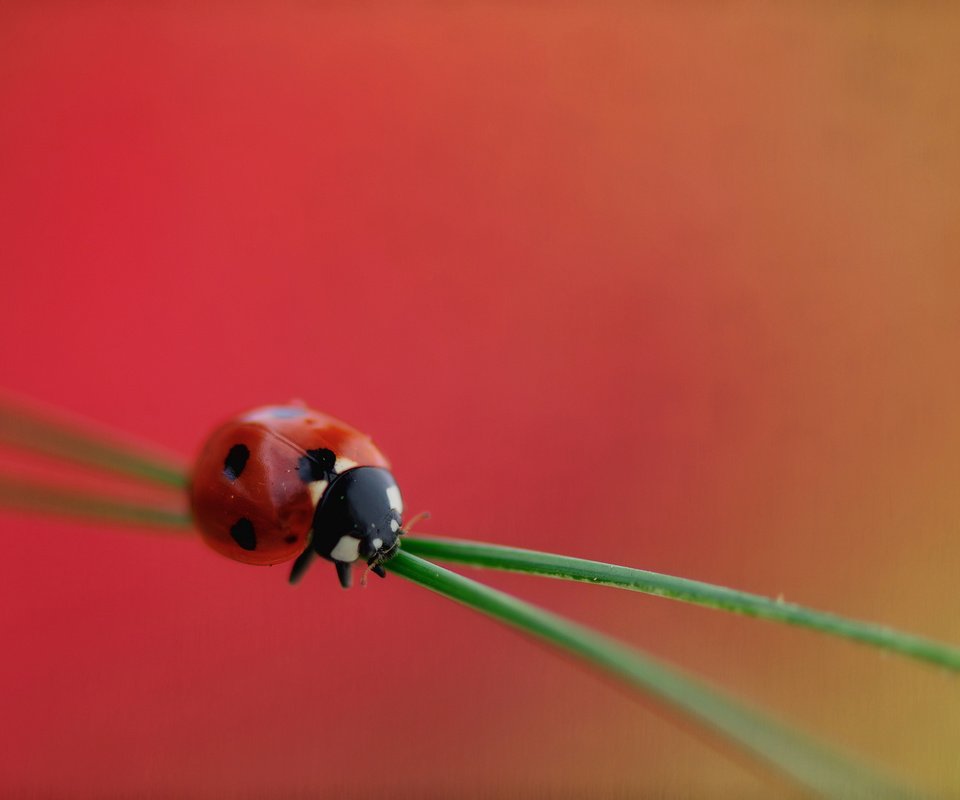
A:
<point x="285" y="482"/>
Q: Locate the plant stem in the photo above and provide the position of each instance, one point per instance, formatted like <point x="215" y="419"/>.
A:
<point x="61" y="437"/>
<point x="794" y="754"/>
<point x="35" y="497"/>
<point x="513" y="559"/>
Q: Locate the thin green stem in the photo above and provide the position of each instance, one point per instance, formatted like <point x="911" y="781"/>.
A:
<point x="84" y="443"/>
<point x="28" y="496"/>
<point x="795" y="755"/>
<point x="479" y="554"/>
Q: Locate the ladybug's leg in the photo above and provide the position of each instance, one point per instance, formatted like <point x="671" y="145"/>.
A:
<point x="344" y="573"/>
<point x="377" y="569"/>
<point x="304" y="560"/>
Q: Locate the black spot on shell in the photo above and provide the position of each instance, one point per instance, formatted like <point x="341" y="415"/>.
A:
<point x="290" y="539"/>
<point x="316" y="465"/>
<point x="236" y="460"/>
<point x="244" y="534"/>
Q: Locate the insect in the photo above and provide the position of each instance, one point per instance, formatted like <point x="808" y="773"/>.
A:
<point x="284" y="482"/>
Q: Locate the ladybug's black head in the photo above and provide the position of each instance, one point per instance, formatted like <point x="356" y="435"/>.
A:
<point x="359" y="516"/>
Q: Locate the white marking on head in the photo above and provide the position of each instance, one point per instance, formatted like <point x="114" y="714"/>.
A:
<point x="393" y="497"/>
<point x="343" y="464"/>
<point x="317" y="488"/>
<point x="347" y="550"/>
<point x="377" y="544"/>
<point x="394" y="525"/>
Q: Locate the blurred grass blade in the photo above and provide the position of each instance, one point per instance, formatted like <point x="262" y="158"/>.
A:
<point x="36" y="497"/>
<point x="511" y="559"/>
<point x="60" y="436"/>
<point x="795" y="755"/>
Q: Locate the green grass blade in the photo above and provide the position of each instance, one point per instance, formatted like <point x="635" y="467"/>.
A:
<point x="58" y="436"/>
<point x="512" y="559"/>
<point x="27" y="496"/>
<point x="795" y="755"/>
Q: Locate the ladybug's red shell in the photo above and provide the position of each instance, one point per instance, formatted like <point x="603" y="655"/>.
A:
<point x="249" y="496"/>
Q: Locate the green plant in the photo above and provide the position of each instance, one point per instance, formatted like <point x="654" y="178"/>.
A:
<point x="796" y="756"/>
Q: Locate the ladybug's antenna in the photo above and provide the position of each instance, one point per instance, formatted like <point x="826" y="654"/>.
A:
<point x="414" y="520"/>
<point x="376" y="568"/>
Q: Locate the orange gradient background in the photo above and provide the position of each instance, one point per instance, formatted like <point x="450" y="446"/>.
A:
<point x="674" y="288"/>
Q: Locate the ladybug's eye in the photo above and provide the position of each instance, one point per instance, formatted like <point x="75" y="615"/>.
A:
<point x="235" y="461"/>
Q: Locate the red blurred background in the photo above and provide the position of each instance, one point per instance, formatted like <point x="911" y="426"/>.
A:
<point x="675" y="288"/>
